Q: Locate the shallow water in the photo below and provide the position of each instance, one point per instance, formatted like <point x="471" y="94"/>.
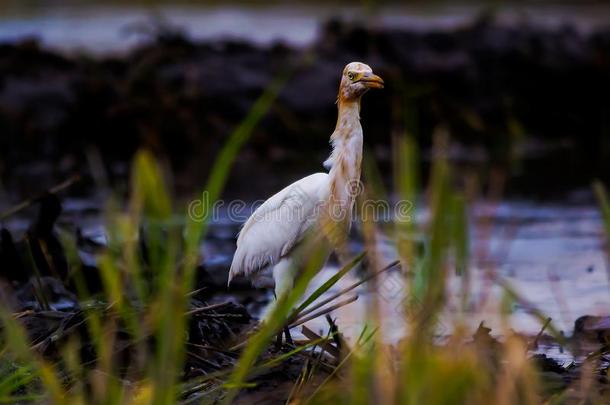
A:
<point x="552" y="255"/>
<point x="103" y="28"/>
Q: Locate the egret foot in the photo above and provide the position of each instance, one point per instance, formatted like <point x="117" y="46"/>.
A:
<point x="287" y="336"/>
<point x="279" y="341"/>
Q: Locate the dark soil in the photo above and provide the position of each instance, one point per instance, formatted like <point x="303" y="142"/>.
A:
<point x="532" y="102"/>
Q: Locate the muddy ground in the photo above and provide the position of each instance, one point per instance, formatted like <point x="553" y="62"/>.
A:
<point x="531" y="101"/>
<point x="40" y="290"/>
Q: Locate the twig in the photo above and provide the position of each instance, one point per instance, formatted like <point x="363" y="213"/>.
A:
<point x="41" y="314"/>
<point x="322" y="312"/>
<point x="64" y="329"/>
<point x="298" y="319"/>
<point x="216" y="315"/>
<point x="334" y="330"/>
<point x="208" y="308"/>
<point x="212" y="348"/>
<point x="324" y="345"/>
<point x="204" y="361"/>
<point x="53" y="190"/>
<point x="345" y="290"/>
<point x="535" y="342"/>
<point x="196" y="291"/>
<point x="331" y="375"/>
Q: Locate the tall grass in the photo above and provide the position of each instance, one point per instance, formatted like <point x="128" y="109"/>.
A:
<point x="418" y="369"/>
<point x="144" y="297"/>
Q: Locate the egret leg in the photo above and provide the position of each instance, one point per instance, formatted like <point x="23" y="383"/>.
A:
<point x="284" y="282"/>
<point x="284" y="274"/>
<point x="288" y="336"/>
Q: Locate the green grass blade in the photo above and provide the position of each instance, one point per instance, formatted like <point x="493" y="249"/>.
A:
<point x="18" y="378"/>
<point x="17" y="340"/>
<point x="224" y="161"/>
<point x="276" y="321"/>
<point x="602" y="199"/>
<point x="460" y="234"/>
<point x="330" y="282"/>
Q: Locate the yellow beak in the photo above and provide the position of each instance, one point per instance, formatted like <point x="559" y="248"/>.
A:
<point x="372" y="81"/>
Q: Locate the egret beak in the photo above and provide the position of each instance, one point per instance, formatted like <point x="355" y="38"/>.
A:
<point x="372" y="81"/>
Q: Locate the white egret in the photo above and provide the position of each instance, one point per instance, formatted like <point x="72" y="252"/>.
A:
<point x="268" y="242"/>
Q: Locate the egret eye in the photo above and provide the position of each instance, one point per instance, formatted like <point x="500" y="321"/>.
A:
<point x="350" y="75"/>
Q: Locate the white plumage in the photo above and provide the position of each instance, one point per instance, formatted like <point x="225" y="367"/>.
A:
<point x="277" y="226"/>
<point x="267" y="246"/>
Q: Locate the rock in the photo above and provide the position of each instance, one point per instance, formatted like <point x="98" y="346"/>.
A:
<point x="12" y="269"/>
<point x="596" y="327"/>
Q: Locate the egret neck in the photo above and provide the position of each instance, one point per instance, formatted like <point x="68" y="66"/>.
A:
<point x="345" y="163"/>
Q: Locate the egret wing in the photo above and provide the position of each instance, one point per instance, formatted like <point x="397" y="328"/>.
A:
<point x="278" y="225"/>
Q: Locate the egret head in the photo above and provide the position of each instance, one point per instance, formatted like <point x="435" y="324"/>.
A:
<point x="357" y="78"/>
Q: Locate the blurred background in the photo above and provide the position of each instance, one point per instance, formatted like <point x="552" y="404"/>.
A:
<point x="522" y="89"/>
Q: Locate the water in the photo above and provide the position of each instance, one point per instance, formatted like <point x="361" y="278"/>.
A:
<point x="551" y="254"/>
<point x="115" y="28"/>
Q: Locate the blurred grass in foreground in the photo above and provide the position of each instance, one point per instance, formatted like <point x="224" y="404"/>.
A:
<point x="151" y="305"/>
<point x="154" y="303"/>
